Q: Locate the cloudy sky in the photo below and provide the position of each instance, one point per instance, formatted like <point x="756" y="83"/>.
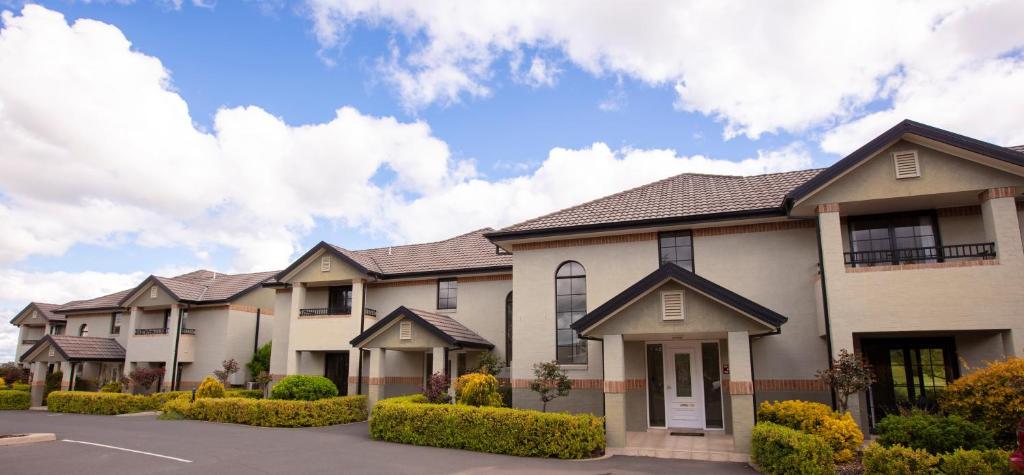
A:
<point x="142" y="137"/>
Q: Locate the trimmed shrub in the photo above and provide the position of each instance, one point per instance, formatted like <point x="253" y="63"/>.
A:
<point x="477" y="389"/>
<point x="14" y="400"/>
<point x="498" y="430"/>
<point x="897" y="460"/>
<point x="3" y="384"/>
<point x="975" y="462"/>
<point x="778" y="449"/>
<point x="244" y="393"/>
<point x="936" y="434"/>
<point x="839" y="431"/>
<point x="210" y="388"/>
<point x="79" y="402"/>
<point x="992" y="396"/>
<point x="273" y="413"/>
<point x="22" y="387"/>
<point x="304" y="388"/>
<point x="112" y="387"/>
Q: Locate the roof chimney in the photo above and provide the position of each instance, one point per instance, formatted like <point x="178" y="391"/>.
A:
<point x="389" y="250"/>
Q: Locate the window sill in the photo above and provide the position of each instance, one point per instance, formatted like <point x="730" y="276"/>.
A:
<point x="447" y="310"/>
<point x="574" y="367"/>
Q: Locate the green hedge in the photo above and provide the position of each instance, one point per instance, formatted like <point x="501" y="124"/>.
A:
<point x="411" y="420"/>
<point x="80" y="402"/>
<point x="22" y="387"/>
<point x="14" y="400"/>
<point x="934" y="433"/>
<point x="778" y="449"/>
<point x="900" y="460"/>
<point x="244" y="393"/>
<point x="303" y="387"/>
<point x="271" y="412"/>
<point x="976" y="462"/>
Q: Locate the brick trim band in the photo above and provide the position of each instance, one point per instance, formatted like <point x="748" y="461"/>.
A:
<point x="959" y="211"/>
<point x="827" y="208"/>
<point x="738" y="388"/>
<point x="396" y="380"/>
<point x="401" y="283"/>
<point x="576" y="383"/>
<point x="994" y="193"/>
<point x="485" y="278"/>
<point x="755" y="228"/>
<point x="926" y="265"/>
<point x="250" y="309"/>
<point x="623" y="386"/>
<point x="789" y="385"/>
<point x="591" y="241"/>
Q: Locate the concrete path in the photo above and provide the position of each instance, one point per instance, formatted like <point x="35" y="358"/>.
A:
<point x="112" y="445"/>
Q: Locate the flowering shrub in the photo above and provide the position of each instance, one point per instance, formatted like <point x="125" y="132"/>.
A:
<point x="436" y="389"/>
<point x="144" y="378"/>
<point x="992" y="396"/>
<point x="210" y="388"/>
<point x="839" y="431"/>
<point x="477" y="389"/>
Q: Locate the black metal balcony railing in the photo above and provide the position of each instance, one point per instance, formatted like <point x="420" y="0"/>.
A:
<point x="313" y="312"/>
<point x="986" y="250"/>
<point x="151" y="331"/>
<point x="188" y="331"/>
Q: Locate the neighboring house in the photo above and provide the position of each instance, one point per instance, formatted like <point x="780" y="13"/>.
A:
<point x="208" y="317"/>
<point x="34" y="321"/>
<point x="432" y="294"/>
<point x="682" y="303"/>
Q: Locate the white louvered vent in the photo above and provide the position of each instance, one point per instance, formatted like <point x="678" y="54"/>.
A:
<point x="152" y="292"/>
<point x="51" y="352"/>
<point x="325" y="263"/>
<point x="672" y="305"/>
<point x="906" y="163"/>
<point x="405" y="331"/>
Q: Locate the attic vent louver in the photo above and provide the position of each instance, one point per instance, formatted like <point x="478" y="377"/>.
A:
<point x="152" y="292"/>
<point x="906" y="163"/>
<point x="405" y="331"/>
<point x="672" y="305"/>
<point x="325" y="263"/>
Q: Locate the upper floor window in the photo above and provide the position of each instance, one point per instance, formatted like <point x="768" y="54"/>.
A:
<point x="115" y="323"/>
<point x="893" y="239"/>
<point x="570" y="305"/>
<point x="83" y="330"/>
<point x="339" y="300"/>
<point x="676" y="247"/>
<point x="447" y="294"/>
<point x="167" y="319"/>
<point x="57" y="330"/>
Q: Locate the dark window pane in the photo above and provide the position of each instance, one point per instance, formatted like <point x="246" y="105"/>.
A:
<point x="712" y="385"/>
<point x="655" y="386"/>
<point x="570" y="305"/>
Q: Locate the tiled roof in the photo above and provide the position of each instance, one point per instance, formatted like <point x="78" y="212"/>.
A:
<point x="208" y="286"/>
<point x="684" y="195"/>
<point x="1017" y="148"/>
<point x="467" y="251"/>
<point x="443" y="326"/>
<point x="45" y="309"/>
<point x="451" y="327"/>
<point x="109" y="301"/>
<point x="82" y="347"/>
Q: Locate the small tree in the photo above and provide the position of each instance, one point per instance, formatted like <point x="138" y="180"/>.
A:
<point x="263" y="380"/>
<point x="143" y="378"/>
<point x="436" y="389"/>
<point x="550" y="382"/>
<point x="490" y="364"/>
<point x="849" y="374"/>
<point x="12" y="373"/>
<point x="260" y="362"/>
<point x="229" y="367"/>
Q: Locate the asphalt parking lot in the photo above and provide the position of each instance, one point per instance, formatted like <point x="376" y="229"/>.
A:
<point x="143" y="444"/>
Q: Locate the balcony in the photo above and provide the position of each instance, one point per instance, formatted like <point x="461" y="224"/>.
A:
<point x="151" y="331"/>
<point x="917" y="255"/>
<point x="324" y="311"/>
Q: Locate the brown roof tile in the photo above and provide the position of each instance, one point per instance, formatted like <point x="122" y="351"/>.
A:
<point x="1017" y="148"/>
<point x="464" y="252"/>
<point x="451" y="327"/>
<point x="208" y="286"/>
<point x="85" y="347"/>
<point x="109" y="301"/>
<point x="684" y="195"/>
<point x="447" y="328"/>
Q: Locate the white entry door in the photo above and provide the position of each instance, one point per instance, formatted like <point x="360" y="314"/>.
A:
<point x="684" y="388"/>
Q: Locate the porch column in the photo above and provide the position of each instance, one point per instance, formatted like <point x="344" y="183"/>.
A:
<point x="437" y="363"/>
<point x="133" y="321"/>
<point x="614" y="391"/>
<point x="38" y="382"/>
<point x="741" y="390"/>
<point x="376" y="388"/>
<point x="353" y="371"/>
<point x="297" y="301"/>
<point x="170" y="372"/>
<point x="65" y="380"/>
<point x="453" y="366"/>
<point x="999" y="213"/>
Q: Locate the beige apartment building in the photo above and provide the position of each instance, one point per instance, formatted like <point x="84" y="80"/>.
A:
<point x="187" y="324"/>
<point x="678" y="305"/>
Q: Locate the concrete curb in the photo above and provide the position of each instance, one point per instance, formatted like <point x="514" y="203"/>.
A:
<point x="144" y="413"/>
<point x="22" y="439"/>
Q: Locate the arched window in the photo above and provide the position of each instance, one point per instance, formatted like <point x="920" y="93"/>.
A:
<point x="570" y="305"/>
<point x="83" y="330"/>
<point x="508" y="329"/>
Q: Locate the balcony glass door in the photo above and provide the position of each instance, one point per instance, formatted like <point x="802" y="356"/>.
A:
<point x="909" y="372"/>
<point x="893" y="239"/>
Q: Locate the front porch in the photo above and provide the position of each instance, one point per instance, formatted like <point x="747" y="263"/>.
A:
<point x="713" y="446"/>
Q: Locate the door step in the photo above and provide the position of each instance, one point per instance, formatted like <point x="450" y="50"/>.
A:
<point x="687" y="434"/>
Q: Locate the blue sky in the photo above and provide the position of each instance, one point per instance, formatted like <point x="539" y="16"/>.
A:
<point x="458" y="115"/>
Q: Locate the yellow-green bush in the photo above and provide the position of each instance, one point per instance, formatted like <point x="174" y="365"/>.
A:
<point x="477" y="389"/>
<point x="3" y="384"/>
<point x="839" y="431"/>
<point x="82" y="402"/>
<point x="411" y="420"/>
<point x="780" y="450"/>
<point x="14" y="400"/>
<point x="272" y="412"/>
<point x="210" y="388"/>
<point x="22" y="387"/>
<point x="897" y="460"/>
<point x="992" y="396"/>
<point x="975" y="462"/>
<point x="246" y="393"/>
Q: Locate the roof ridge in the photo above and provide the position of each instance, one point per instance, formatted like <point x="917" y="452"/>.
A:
<point x="475" y="231"/>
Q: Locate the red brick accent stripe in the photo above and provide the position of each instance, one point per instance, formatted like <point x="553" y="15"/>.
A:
<point x="623" y="386"/>
<point x="789" y="385"/>
<point x="1001" y="192"/>
<point x="959" y="211"/>
<point x="741" y="387"/>
<point x="926" y="265"/>
<point x="755" y="228"/>
<point x="576" y="383"/>
<point x="402" y="283"/>
<point x="827" y="208"/>
<point x="485" y="278"/>
<point x="396" y="380"/>
<point x="591" y="241"/>
<point x="250" y="309"/>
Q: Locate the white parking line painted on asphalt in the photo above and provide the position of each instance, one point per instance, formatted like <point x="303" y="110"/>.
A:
<point x="127" y="450"/>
